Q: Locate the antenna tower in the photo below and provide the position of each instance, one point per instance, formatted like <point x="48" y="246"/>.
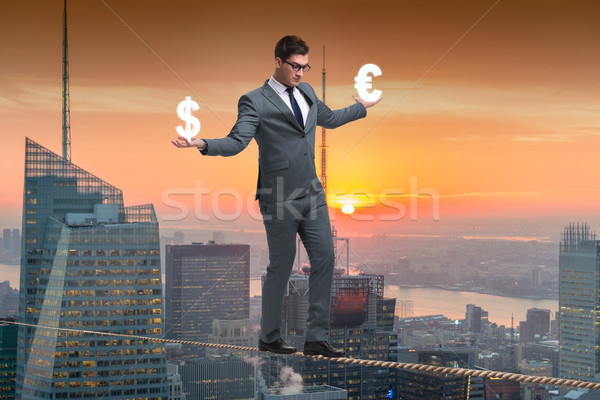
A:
<point x="323" y="177"/>
<point x="66" y="110"/>
<point x="324" y="159"/>
<point x="324" y="139"/>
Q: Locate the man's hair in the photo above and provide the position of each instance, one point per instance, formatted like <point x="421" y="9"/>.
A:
<point x="289" y="45"/>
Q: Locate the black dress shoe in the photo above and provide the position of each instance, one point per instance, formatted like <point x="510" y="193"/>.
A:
<point x="278" y="346"/>
<point x="322" y="348"/>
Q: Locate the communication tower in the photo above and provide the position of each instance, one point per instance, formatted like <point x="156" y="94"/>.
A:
<point x="66" y="110"/>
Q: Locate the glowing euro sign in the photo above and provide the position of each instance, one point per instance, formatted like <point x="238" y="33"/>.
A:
<point x="363" y="82"/>
<point x="192" y="124"/>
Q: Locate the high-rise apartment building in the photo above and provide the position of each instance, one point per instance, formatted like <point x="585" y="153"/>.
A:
<point x="87" y="262"/>
<point x="205" y="282"/>
<point x="579" y="303"/>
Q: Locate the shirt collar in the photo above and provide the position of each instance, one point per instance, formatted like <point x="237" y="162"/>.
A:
<point x="278" y="87"/>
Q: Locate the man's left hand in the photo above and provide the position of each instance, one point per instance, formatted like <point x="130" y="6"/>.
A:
<point x="367" y="104"/>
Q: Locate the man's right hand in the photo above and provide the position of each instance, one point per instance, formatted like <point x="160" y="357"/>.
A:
<point x="182" y="142"/>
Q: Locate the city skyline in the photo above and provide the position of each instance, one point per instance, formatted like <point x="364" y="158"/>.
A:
<point x="492" y="109"/>
<point x="426" y="142"/>
<point x="378" y="175"/>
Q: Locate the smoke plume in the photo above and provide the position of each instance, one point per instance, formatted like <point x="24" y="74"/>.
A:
<point x="290" y="382"/>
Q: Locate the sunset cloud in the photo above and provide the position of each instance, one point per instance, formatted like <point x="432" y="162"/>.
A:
<point x="501" y="120"/>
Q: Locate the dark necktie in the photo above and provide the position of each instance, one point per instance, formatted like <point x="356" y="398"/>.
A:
<point x="295" y="107"/>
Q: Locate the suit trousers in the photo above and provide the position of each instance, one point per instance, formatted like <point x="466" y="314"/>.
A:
<point x="307" y="216"/>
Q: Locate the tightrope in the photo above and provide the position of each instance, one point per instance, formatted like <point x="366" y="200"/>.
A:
<point x="542" y="380"/>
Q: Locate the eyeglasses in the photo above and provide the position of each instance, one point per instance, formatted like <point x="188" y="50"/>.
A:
<point x="296" y="67"/>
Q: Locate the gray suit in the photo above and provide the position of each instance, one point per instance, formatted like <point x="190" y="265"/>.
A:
<point x="290" y="195"/>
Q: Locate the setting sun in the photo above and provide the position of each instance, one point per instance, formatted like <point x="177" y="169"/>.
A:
<point x="347" y="208"/>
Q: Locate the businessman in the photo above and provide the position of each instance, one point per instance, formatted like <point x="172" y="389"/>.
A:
<point x="282" y="117"/>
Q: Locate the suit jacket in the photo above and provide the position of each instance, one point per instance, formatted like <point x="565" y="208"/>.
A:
<point x="286" y="152"/>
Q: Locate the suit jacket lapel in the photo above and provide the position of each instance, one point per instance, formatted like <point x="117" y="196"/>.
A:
<point x="274" y="98"/>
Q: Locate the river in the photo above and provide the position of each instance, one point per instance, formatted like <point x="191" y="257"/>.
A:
<point x="453" y="304"/>
<point x="425" y="301"/>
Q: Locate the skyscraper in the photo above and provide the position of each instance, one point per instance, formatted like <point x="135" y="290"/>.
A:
<point x="205" y="282"/>
<point x="7" y="239"/>
<point x="8" y="359"/>
<point x="87" y="262"/>
<point x="538" y="323"/>
<point x="9" y="300"/>
<point x="476" y="319"/>
<point x="361" y="324"/>
<point x="502" y="389"/>
<point x="579" y="303"/>
<point x="15" y="246"/>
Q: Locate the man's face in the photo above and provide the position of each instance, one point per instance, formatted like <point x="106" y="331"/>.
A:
<point x="284" y="72"/>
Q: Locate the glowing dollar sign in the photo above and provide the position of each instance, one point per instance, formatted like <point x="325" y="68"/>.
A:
<point x="363" y="82"/>
<point x="192" y="124"/>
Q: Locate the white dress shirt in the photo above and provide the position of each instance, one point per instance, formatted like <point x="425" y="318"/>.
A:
<point x="280" y="90"/>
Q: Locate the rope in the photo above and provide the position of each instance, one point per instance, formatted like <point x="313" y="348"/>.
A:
<point x="542" y="380"/>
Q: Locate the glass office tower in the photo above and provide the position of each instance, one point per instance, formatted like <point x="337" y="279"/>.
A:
<point x="87" y="263"/>
<point x="8" y="359"/>
<point x="579" y="304"/>
<point x="205" y="282"/>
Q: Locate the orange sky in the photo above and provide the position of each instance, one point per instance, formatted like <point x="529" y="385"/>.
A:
<point x="493" y="105"/>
